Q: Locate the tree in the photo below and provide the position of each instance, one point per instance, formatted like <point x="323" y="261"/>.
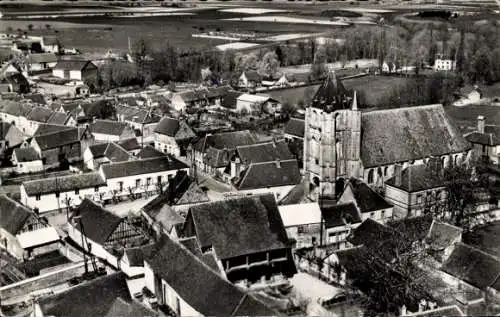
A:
<point x="269" y="64"/>
<point x="140" y="51"/>
<point x="30" y="27"/>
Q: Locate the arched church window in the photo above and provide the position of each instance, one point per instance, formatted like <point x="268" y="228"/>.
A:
<point x="370" y="176"/>
<point x="379" y="171"/>
<point x="338" y="148"/>
<point x="386" y="169"/>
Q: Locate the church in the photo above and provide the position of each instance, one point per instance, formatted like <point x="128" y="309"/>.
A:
<point x="342" y="141"/>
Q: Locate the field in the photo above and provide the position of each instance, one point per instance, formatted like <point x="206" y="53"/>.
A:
<point x="465" y="117"/>
<point x="370" y="89"/>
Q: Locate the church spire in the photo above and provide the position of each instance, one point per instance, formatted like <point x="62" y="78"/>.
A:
<point x="331" y="94"/>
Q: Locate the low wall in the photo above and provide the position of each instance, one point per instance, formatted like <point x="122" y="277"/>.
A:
<point x="23" y="288"/>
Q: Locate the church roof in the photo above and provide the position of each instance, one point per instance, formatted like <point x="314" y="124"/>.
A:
<point x="413" y="133"/>
<point x="331" y="94"/>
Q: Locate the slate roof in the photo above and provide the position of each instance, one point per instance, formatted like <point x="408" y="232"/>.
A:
<point x="473" y="266"/>
<point x="167" y="126"/>
<point x="57" y="139"/>
<point x="63" y="183"/>
<point x="98" y="149"/>
<point x="140" y="167"/>
<point x="199" y="286"/>
<point x="340" y="214"/>
<point x="229" y="100"/>
<point x="130" y="144"/>
<point x="441" y="235"/>
<point x="412" y="133"/>
<point x="13" y="215"/>
<point x="295" y="127"/>
<point x="264" y="152"/>
<point x="93" y="298"/>
<point x="331" y="95"/>
<point x="108" y="127"/>
<point x="490" y="137"/>
<point x="74" y="64"/>
<point x="416" y="178"/>
<point x="241" y="226"/>
<point x="27" y="154"/>
<point x="116" y="153"/>
<point x="366" y="199"/>
<point x="98" y="223"/>
<point x="270" y="174"/>
<point x="42" y="58"/>
<point x="149" y="152"/>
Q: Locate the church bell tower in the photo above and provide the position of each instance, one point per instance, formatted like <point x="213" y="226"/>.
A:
<point x="332" y="138"/>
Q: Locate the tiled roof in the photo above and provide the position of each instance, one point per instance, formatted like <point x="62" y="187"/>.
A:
<point x="366" y="199"/>
<point x="27" y="154"/>
<point x="136" y="256"/>
<point x="149" y="152"/>
<point x="229" y="100"/>
<point x="73" y="65"/>
<point x="98" y="150"/>
<point x="270" y="174"/>
<point x="13" y="215"/>
<point x="199" y="286"/>
<point x="239" y="226"/>
<point x="447" y="311"/>
<point x="264" y="152"/>
<point x="296" y="195"/>
<point x="4" y="129"/>
<point x="416" y="178"/>
<point x="473" y="266"/>
<point x="295" y="127"/>
<point x="108" y="127"/>
<point x="204" y="93"/>
<point x="121" y="308"/>
<point x="46" y="128"/>
<point x="98" y="223"/>
<point x="143" y="117"/>
<point x="58" y="118"/>
<point x="15" y="108"/>
<point x="93" y="298"/>
<point x="167" y="126"/>
<point x="412" y="133"/>
<point x="228" y="140"/>
<point x="413" y="229"/>
<point x="63" y="183"/>
<point x="40" y="114"/>
<point x="116" y="153"/>
<point x="331" y="95"/>
<point x="442" y="235"/>
<point x="43" y="58"/>
<point x="490" y="137"/>
<point x="57" y="139"/>
<point x="139" y="167"/>
<point x="129" y="144"/>
<point x="340" y="215"/>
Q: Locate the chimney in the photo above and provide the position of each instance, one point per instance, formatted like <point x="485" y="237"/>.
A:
<point x="397" y="174"/>
<point x="480" y="124"/>
<point x="278" y="163"/>
<point x="237" y="166"/>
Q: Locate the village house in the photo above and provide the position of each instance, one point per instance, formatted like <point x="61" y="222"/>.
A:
<point x="390" y="67"/>
<point x="42" y="62"/>
<point x="138" y="177"/>
<point x="468" y="95"/>
<point x="74" y="69"/>
<point x="302" y="223"/>
<point x="106" y="296"/>
<point x="59" y="148"/>
<point x="199" y="97"/>
<point x="249" y="79"/>
<point x="338" y="221"/>
<point x="149" y="152"/>
<point x="26" y="160"/>
<point x="23" y="234"/>
<point x="12" y="111"/>
<point x="257" y="104"/>
<point x="172" y="136"/>
<point x="294" y="130"/>
<point x="111" y="131"/>
<point x="17" y="83"/>
<point x="144" y="124"/>
<point x="188" y="285"/>
<point x="10" y="136"/>
<point x="281" y="82"/>
<point x="50" y="44"/>
<point x="106" y="235"/>
<point x="444" y="64"/>
<point x="104" y="153"/>
<point x="213" y="152"/>
<point x="59" y="193"/>
<point x="248" y="252"/>
<point x="417" y="190"/>
<point x="341" y="142"/>
<point x="485" y="141"/>
<point x="277" y="177"/>
<point x="40" y="115"/>
<point x="369" y="203"/>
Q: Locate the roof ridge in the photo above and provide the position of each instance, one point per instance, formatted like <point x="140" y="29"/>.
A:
<point x="272" y="162"/>
<point x="379" y="111"/>
<point x="261" y="143"/>
<point x="470" y="247"/>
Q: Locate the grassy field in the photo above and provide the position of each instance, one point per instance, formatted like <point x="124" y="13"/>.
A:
<point x="465" y="117"/>
<point x="370" y="89"/>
